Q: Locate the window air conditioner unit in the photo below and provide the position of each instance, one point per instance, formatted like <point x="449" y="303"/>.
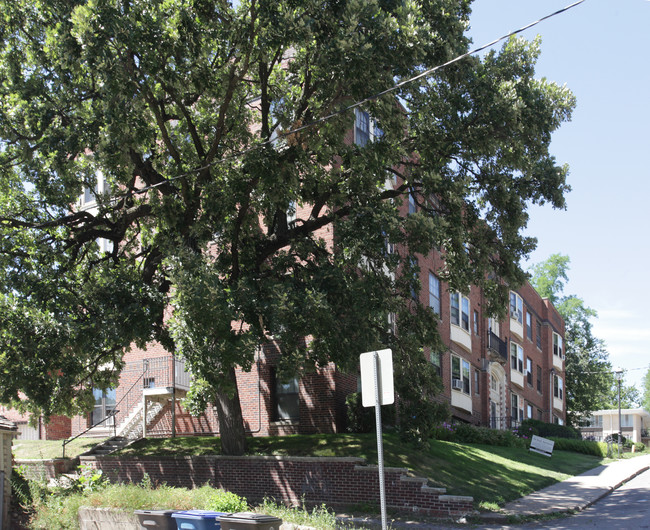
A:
<point x="456" y="384"/>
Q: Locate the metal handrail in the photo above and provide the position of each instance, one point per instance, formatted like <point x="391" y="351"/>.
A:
<point x="112" y="414"/>
<point x="127" y="394"/>
<point x="68" y="440"/>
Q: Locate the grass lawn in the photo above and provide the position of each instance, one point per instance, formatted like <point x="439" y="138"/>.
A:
<point x="46" y="449"/>
<point x="490" y="474"/>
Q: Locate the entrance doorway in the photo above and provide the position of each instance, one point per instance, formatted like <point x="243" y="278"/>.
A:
<point x="104" y="406"/>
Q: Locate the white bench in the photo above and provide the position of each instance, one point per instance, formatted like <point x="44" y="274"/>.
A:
<point x="543" y="446"/>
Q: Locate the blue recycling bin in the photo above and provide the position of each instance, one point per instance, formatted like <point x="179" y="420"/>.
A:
<point x="198" y="520"/>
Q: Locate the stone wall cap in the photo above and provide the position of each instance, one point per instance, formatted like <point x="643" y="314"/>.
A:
<point x="456" y="498"/>
<point x="280" y="458"/>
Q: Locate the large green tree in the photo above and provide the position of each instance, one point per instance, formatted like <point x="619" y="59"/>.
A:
<point x="589" y="376"/>
<point x="208" y="122"/>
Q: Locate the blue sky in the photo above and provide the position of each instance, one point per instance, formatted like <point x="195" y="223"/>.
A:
<point x="600" y="49"/>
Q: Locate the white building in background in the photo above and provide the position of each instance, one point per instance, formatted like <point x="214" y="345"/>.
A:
<point x="635" y="424"/>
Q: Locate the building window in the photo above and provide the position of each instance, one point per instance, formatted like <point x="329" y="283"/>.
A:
<point x="460" y="311"/>
<point x="361" y="127"/>
<point x="436" y="361"/>
<point x="516" y="357"/>
<point x="516" y="307"/>
<point x="104" y="406"/>
<point x="476" y="377"/>
<point x="287" y="404"/>
<point x="595" y="421"/>
<point x="529" y="326"/>
<point x="539" y="378"/>
<point x="529" y="411"/>
<point x="493" y="325"/>
<point x="558" y="390"/>
<point x="538" y="336"/>
<point x="434" y="293"/>
<point x="516" y="413"/>
<point x="539" y="414"/>
<point x="149" y="382"/>
<point x="529" y="371"/>
<point x="627" y="420"/>
<point x="413" y="207"/>
<point x="557" y="345"/>
<point x="475" y="322"/>
<point x="460" y="374"/>
<point x="392" y="326"/>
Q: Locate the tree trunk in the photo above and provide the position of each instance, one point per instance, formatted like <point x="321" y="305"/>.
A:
<point x="231" y="420"/>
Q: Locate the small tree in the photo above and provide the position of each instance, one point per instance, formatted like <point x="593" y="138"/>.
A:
<point x="589" y="376"/>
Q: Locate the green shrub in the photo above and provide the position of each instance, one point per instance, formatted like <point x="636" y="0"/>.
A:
<point x="549" y="430"/>
<point x="225" y="501"/>
<point x="639" y="447"/>
<point x="586" y="447"/>
<point x="468" y="433"/>
<point x="362" y="419"/>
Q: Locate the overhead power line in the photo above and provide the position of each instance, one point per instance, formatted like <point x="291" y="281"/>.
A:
<point x="359" y="103"/>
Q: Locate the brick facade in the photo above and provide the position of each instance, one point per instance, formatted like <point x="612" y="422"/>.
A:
<point x="337" y="482"/>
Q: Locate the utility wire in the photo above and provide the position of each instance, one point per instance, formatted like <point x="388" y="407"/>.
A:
<point x="359" y="103"/>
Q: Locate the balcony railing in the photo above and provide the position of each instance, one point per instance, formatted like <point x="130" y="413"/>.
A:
<point x="497" y="347"/>
<point x="155" y="372"/>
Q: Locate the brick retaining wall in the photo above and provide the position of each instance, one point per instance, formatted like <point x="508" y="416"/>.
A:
<point x="336" y="482"/>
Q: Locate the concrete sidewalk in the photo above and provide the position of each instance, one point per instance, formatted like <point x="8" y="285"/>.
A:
<point x="574" y="494"/>
<point x="579" y="492"/>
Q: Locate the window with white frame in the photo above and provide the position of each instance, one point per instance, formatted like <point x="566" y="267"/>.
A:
<point x="595" y="421"/>
<point x="558" y="387"/>
<point x="493" y="324"/>
<point x="460" y="311"/>
<point x="529" y="371"/>
<point x="476" y="323"/>
<point x="516" y="357"/>
<point x="361" y="127"/>
<point x="538" y="336"/>
<point x="365" y="128"/>
<point x="434" y="293"/>
<point x="90" y="193"/>
<point x="529" y="411"/>
<point x="516" y="307"/>
<point x="627" y="420"/>
<point x="529" y="326"/>
<point x="460" y="374"/>
<point x="557" y="345"/>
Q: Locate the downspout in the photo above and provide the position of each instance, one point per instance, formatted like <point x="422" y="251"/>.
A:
<point x="173" y="395"/>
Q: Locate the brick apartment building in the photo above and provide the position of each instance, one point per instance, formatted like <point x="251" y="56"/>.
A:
<point x="494" y="373"/>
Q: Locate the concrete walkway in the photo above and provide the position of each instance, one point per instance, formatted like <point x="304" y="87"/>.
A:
<point x="579" y="492"/>
<point x="574" y="494"/>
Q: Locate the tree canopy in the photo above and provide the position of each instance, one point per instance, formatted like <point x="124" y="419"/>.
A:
<point x="589" y="375"/>
<point x="645" y="398"/>
<point x="206" y="123"/>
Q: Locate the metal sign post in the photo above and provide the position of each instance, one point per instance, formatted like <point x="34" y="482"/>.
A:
<point x="377" y="389"/>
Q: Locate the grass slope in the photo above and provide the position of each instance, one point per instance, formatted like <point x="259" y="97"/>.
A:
<point x="47" y="449"/>
<point x="490" y="474"/>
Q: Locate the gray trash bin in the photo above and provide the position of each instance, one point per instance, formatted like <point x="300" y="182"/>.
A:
<point x="249" y="521"/>
<point x="156" y="519"/>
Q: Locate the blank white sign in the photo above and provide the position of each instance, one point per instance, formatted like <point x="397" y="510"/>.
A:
<point x="385" y="377"/>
